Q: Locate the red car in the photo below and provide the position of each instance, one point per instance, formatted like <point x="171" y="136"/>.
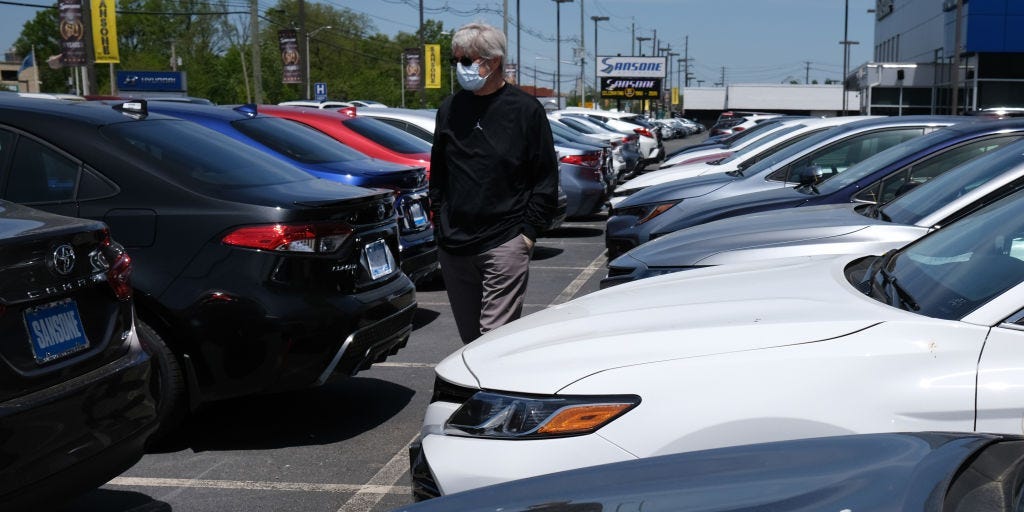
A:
<point x="367" y="135"/>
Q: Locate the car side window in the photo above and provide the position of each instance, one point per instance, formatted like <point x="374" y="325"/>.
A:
<point x="839" y="156"/>
<point x="39" y="174"/>
<point x="923" y="170"/>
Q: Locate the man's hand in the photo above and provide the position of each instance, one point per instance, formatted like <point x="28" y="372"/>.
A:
<point x="529" y="243"/>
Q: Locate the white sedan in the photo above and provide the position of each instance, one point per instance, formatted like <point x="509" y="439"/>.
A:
<point x="930" y="337"/>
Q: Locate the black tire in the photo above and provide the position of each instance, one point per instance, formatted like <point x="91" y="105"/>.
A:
<point x="168" y="383"/>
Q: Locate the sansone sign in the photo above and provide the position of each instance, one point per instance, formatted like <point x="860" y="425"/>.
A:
<point x="632" y="67"/>
<point x="631" y="88"/>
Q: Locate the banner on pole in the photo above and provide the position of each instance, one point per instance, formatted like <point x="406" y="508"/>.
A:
<point x="413" y="69"/>
<point x="432" y="60"/>
<point x="104" y="31"/>
<point x="289" y="43"/>
<point x="72" y="32"/>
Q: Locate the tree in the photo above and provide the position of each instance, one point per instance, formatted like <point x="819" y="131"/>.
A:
<point x="42" y="32"/>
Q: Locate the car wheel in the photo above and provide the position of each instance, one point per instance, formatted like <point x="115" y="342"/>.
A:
<point x="168" y="383"/>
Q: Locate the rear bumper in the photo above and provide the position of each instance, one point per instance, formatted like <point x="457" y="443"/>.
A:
<point x="419" y="254"/>
<point x="278" y="340"/>
<point x="59" y="443"/>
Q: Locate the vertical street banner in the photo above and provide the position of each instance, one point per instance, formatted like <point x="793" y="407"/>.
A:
<point x="510" y="73"/>
<point x="72" y="33"/>
<point x="413" y="69"/>
<point x="104" y="31"/>
<point x="432" y="60"/>
<point x="675" y="95"/>
<point x="290" y="58"/>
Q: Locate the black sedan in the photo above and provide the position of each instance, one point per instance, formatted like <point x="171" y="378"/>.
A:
<point x="76" y="403"/>
<point x="251" y="275"/>
<point x="912" y="472"/>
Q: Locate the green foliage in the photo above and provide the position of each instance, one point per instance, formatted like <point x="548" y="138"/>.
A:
<point x="211" y="39"/>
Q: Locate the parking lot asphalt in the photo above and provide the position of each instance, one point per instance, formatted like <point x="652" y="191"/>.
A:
<point x="342" y="447"/>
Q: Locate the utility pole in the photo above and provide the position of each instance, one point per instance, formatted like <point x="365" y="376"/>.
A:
<point x="422" y="91"/>
<point x="583" y="58"/>
<point x="956" y="57"/>
<point x="519" y="60"/>
<point x="597" y="87"/>
<point x="846" y="53"/>
<point x="558" y="49"/>
<point x="807" y="72"/>
<point x="303" y="32"/>
<point x="723" y="76"/>
<point x="632" y="35"/>
<point x="257" y="72"/>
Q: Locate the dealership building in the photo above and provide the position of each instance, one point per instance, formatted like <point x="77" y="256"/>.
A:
<point x="916" y="68"/>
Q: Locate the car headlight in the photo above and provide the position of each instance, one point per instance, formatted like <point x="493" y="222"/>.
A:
<point x="503" y="416"/>
<point x="646" y="212"/>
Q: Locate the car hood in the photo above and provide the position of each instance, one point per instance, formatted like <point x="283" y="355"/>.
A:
<point x="680" y="189"/>
<point x="671" y="173"/>
<point x="891" y="471"/>
<point x="777" y="227"/>
<point x="683" y="315"/>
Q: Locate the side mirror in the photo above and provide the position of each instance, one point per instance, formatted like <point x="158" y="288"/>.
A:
<point x="808" y="176"/>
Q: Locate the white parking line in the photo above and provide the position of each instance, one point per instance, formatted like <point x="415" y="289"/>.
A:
<point x="368" y="497"/>
<point x="192" y="483"/>
<point x="580" y="280"/>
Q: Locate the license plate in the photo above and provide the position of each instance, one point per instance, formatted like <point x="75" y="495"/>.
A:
<point x="55" y="330"/>
<point x="379" y="259"/>
<point x="419" y="218"/>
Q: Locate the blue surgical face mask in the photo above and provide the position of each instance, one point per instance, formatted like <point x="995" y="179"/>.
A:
<point x="469" y="78"/>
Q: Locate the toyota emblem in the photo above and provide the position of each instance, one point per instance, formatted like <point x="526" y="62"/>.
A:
<point x="64" y="259"/>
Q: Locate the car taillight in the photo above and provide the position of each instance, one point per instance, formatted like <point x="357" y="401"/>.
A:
<point x="586" y="160"/>
<point x="119" y="276"/>
<point x="738" y="128"/>
<point x="316" y="238"/>
<point x="644" y="131"/>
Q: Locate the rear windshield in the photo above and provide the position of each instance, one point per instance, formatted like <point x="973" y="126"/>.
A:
<point x="200" y="157"/>
<point x="388" y="136"/>
<point x="296" y="141"/>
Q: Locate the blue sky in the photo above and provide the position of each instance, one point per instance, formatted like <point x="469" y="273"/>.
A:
<point x="763" y="41"/>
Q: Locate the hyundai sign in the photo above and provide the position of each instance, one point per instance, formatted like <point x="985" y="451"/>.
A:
<point x="151" y="81"/>
<point x="632" y="67"/>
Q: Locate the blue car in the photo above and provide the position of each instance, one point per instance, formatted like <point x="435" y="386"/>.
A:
<point x="326" y="158"/>
<point x="669" y="207"/>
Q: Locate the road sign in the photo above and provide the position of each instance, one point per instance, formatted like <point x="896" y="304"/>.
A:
<point x="320" y="91"/>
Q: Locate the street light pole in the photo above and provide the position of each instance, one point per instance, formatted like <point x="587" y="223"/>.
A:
<point x="309" y="80"/>
<point x="640" y="43"/>
<point x="597" y="88"/>
<point x="558" y="50"/>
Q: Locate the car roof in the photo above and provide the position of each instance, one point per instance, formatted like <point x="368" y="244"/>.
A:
<point x="329" y="104"/>
<point x="397" y="113"/>
<point x="89" y="112"/>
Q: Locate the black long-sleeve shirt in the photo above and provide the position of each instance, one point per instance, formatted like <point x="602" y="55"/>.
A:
<point x="493" y="170"/>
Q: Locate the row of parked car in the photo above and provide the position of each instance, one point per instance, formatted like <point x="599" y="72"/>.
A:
<point x="845" y="277"/>
<point x="199" y="253"/>
<point x="162" y="256"/>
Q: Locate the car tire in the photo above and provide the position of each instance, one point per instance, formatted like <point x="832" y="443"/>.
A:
<point x="168" y="383"/>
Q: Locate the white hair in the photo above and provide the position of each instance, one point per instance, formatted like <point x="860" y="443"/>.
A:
<point x="480" y="39"/>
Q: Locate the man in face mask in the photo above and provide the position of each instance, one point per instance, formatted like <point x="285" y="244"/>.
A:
<point x="493" y="184"/>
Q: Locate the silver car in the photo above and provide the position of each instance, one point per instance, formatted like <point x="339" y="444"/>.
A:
<point x="419" y="122"/>
<point x="830" y="229"/>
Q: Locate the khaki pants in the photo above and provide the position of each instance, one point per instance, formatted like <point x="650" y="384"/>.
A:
<point x="486" y="290"/>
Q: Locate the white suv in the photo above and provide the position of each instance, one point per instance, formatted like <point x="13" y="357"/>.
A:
<point x="652" y="149"/>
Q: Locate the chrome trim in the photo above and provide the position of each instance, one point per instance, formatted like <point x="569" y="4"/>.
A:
<point x="337" y="359"/>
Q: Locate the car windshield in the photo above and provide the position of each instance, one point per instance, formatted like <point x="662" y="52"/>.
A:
<point x="959" y="268"/>
<point x="881" y="159"/>
<point x="753" y="131"/>
<point x="578" y="126"/>
<point x="388" y="136"/>
<point x="296" y="141"/>
<point x="791" y="151"/>
<point x="914" y="205"/>
<point x="199" y="156"/>
<point x="761" y="143"/>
